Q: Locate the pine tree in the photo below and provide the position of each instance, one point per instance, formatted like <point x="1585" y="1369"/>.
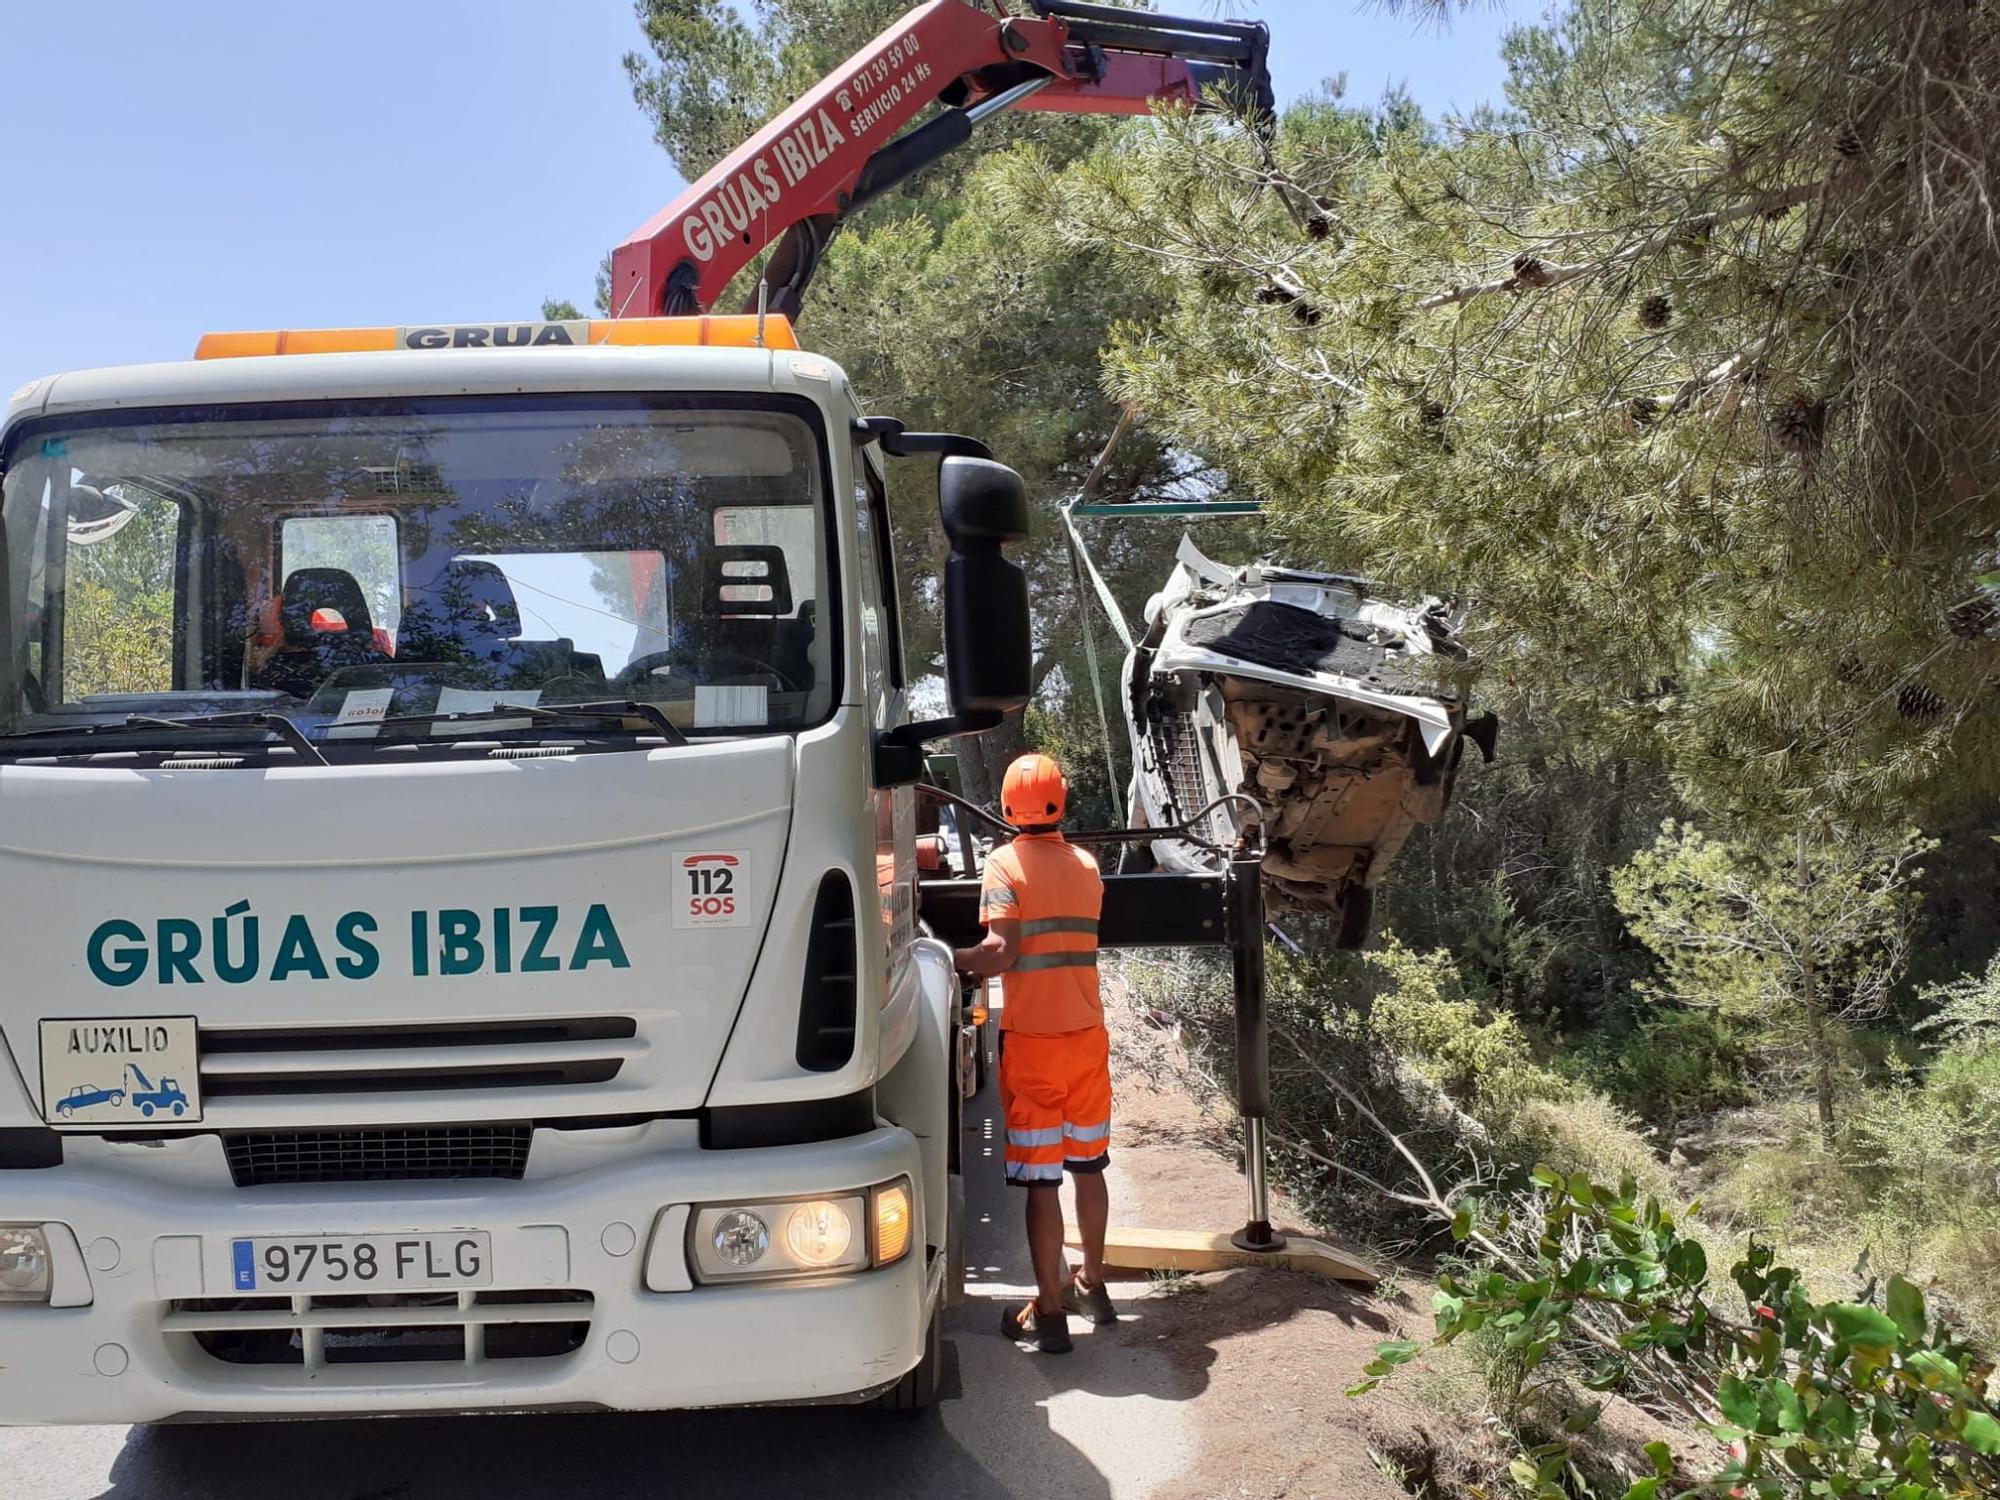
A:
<point x="1680" y="526"/>
<point x="1799" y="942"/>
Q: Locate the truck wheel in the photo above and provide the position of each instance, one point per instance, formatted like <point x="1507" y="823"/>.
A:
<point x="918" y="1390"/>
<point x="954" y="1243"/>
<point x="146" y="1110"/>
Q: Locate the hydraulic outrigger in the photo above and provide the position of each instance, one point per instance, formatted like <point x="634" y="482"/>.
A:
<point x="1185" y="911"/>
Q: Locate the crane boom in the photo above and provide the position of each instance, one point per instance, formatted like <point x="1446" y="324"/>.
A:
<point x="838" y="146"/>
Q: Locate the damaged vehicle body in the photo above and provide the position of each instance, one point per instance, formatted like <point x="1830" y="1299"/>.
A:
<point x="1320" y="702"/>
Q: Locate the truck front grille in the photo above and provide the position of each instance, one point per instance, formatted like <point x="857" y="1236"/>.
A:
<point x="287" y="1061"/>
<point x="311" y="1333"/>
<point x="269" y="1157"/>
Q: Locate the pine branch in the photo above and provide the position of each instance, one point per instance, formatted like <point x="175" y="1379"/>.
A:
<point x="1653" y="244"/>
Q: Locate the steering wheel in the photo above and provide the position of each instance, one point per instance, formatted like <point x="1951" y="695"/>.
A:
<point x="641" y="667"/>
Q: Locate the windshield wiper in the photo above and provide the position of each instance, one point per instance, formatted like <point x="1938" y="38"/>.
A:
<point x="278" y="724"/>
<point x="650" y="712"/>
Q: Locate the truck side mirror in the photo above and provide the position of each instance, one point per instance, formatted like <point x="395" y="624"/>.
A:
<point x="988" y="650"/>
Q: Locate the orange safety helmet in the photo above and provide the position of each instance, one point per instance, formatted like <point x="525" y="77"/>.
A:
<point x="1034" y="793"/>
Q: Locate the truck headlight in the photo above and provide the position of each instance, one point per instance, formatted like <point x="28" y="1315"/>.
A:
<point x="801" y="1237"/>
<point x="740" y="1238"/>
<point x="24" y="1263"/>
<point x="819" y="1233"/>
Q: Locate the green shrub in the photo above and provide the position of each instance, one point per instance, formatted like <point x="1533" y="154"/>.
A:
<point x="1585" y="1132"/>
<point x="1480" y="1058"/>
<point x="1810" y="1398"/>
<point x="1672" y="1067"/>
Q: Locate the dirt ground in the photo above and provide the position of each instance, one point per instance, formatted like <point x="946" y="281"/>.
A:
<point x="1277" y="1349"/>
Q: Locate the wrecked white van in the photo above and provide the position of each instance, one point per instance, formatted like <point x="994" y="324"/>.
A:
<point x="1341" y="714"/>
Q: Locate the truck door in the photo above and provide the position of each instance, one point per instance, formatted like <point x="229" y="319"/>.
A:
<point x="886" y="695"/>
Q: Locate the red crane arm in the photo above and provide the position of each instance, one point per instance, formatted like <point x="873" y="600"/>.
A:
<point x="838" y="146"/>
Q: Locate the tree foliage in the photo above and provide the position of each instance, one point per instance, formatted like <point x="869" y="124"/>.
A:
<point x="1674" y="364"/>
<point x="1797" y="942"/>
<point x="118" y="602"/>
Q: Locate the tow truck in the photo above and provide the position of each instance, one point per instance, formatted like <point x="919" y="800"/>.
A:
<point x="167" y="1094"/>
<point x="476" y="763"/>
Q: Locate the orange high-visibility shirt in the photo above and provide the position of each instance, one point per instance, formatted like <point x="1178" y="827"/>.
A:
<point x="1053" y="890"/>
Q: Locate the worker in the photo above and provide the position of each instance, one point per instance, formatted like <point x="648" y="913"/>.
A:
<point x="1040" y="903"/>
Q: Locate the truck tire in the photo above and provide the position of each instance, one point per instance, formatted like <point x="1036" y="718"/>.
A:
<point x="954" y="1224"/>
<point x="954" y="1244"/>
<point x="918" y="1390"/>
<point x="1357" y="914"/>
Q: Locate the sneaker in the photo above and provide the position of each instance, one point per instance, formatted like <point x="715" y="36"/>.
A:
<point x="1049" y="1334"/>
<point x="1092" y="1302"/>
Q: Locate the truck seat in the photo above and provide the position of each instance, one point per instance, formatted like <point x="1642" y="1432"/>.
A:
<point x="323" y="616"/>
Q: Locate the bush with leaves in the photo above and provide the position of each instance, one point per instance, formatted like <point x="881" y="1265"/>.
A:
<point x="1870" y="1397"/>
<point x="1671" y="1067"/>
<point x="1380" y="1062"/>
<point x="1797" y="942"/>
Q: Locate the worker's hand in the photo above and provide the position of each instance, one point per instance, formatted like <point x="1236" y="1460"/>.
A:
<point x="995" y="953"/>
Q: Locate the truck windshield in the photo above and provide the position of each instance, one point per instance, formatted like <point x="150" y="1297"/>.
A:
<point x="350" y="566"/>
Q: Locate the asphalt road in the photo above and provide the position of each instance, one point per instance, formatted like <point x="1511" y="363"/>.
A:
<point x="1110" y="1420"/>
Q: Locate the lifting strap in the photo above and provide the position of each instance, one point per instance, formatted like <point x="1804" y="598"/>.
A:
<point x="1079" y="562"/>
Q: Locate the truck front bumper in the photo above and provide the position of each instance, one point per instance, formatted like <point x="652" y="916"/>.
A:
<point x="572" y="1319"/>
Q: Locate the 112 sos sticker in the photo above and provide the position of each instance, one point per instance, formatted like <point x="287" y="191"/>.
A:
<point x="709" y="888"/>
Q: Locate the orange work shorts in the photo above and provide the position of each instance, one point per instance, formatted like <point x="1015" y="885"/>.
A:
<point x="1056" y="1091"/>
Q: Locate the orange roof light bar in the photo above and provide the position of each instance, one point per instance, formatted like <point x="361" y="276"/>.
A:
<point x="724" y="331"/>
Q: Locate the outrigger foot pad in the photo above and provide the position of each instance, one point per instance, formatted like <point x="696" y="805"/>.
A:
<point x="1258" y="1235"/>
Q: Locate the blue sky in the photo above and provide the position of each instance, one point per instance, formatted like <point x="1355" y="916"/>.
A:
<point x="215" y="164"/>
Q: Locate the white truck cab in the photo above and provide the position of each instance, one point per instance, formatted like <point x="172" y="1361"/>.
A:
<point x="457" y="879"/>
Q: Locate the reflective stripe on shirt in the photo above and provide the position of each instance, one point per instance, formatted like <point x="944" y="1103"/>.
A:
<point x="1042" y="926"/>
<point x="1032" y="962"/>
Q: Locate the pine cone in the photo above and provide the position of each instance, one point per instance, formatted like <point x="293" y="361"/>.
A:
<point x="1918" y="703"/>
<point x="1275" y="296"/>
<point x="1851" y="670"/>
<point x="1643" y="410"/>
<point x="1847" y="141"/>
<point x="1656" y="311"/>
<point x="1430" y="424"/>
<point x="1974" y="619"/>
<point x="1319" y="226"/>
<point x="1529" y="271"/>
<point x="1800" y="426"/>
<point x="1307" y="315"/>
